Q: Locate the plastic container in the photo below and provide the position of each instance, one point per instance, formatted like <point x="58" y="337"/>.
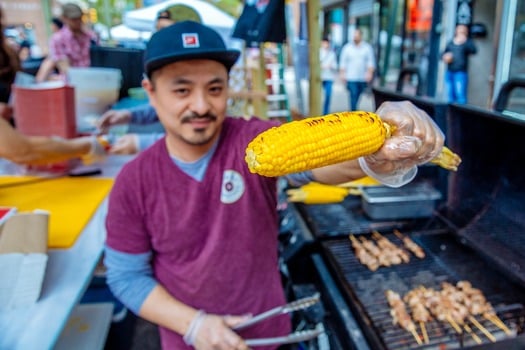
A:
<point x="96" y="90"/>
<point x="416" y="200"/>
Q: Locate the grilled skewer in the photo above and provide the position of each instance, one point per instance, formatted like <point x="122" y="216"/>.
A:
<point x="410" y="245"/>
<point x="396" y="254"/>
<point x="415" y="302"/>
<point x="478" y="305"/>
<point x="400" y="315"/>
<point x="363" y="255"/>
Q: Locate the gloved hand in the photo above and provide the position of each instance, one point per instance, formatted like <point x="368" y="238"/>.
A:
<point x="416" y="140"/>
<point x="113" y="117"/>
<point x="126" y="144"/>
<point x="208" y="331"/>
<point x="98" y="150"/>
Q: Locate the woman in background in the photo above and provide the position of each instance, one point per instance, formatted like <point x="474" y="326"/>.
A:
<point x="9" y="65"/>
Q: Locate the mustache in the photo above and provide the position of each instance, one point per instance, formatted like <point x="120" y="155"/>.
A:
<point x="194" y="116"/>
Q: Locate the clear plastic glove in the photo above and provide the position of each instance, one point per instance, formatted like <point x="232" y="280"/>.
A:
<point x="113" y="117"/>
<point x="126" y="144"/>
<point x="214" y="332"/>
<point x="98" y="150"/>
<point x="416" y="140"/>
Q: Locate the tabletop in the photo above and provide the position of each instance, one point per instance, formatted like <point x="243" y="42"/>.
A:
<point x="68" y="274"/>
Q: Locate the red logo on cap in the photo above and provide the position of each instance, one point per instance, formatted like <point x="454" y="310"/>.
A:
<point x="190" y="40"/>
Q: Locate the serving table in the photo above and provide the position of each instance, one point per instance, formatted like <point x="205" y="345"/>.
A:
<point x="68" y="274"/>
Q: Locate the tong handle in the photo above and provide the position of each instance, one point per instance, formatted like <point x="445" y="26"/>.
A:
<point x="295" y="337"/>
<point x="283" y="309"/>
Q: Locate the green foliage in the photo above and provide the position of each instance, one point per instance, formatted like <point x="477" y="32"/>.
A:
<point x="232" y="7"/>
<point x="183" y="13"/>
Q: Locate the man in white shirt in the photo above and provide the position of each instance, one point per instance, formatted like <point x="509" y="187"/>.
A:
<point x="357" y="66"/>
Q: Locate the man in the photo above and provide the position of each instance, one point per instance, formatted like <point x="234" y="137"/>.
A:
<point x="70" y="46"/>
<point x="456" y="57"/>
<point x="328" y="62"/>
<point x="191" y="233"/>
<point x="163" y="20"/>
<point x="357" y="66"/>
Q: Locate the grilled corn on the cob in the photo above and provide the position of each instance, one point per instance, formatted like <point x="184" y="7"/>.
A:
<point x="317" y="193"/>
<point x="320" y="141"/>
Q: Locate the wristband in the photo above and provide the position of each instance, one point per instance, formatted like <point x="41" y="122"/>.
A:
<point x="397" y="178"/>
<point x="191" y="333"/>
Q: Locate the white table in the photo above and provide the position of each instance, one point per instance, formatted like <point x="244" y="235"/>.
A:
<point x="68" y="274"/>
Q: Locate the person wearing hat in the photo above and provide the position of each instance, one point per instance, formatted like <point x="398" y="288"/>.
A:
<point x="192" y="235"/>
<point x="163" y="19"/>
<point x="70" y="46"/>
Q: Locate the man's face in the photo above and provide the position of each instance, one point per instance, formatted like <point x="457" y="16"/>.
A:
<point x="357" y="36"/>
<point x="462" y="30"/>
<point x="190" y="98"/>
<point x="74" y="24"/>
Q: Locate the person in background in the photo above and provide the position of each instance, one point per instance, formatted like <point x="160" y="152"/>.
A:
<point x="9" y="66"/>
<point x="47" y="68"/>
<point x="328" y="62"/>
<point x="357" y="66"/>
<point x="56" y="24"/>
<point x="192" y="234"/>
<point x="163" y="20"/>
<point x="70" y="46"/>
<point x="456" y="55"/>
<point x="130" y="143"/>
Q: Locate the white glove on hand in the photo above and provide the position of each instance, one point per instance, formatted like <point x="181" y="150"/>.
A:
<point x="98" y="150"/>
<point x="416" y="140"/>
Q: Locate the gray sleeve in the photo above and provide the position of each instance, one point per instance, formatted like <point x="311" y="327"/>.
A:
<point x="144" y="114"/>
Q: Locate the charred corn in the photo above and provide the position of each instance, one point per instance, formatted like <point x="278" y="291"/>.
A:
<point x="320" y="141"/>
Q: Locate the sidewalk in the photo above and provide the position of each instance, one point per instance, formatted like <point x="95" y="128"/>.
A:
<point x="339" y="101"/>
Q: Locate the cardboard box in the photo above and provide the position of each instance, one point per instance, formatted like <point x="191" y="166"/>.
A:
<point x="23" y="258"/>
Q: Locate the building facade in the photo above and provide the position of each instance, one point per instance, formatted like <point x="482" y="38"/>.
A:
<point x="409" y="36"/>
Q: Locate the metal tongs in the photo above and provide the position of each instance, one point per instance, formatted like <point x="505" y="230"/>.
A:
<point x="295" y="337"/>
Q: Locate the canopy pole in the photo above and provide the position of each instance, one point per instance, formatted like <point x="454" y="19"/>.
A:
<point x="314" y="8"/>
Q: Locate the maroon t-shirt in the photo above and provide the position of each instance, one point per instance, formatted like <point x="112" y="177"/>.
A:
<point x="214" y="242"/>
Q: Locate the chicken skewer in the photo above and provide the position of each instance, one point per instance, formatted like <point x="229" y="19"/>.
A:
<point x="384" y="258"/>
<point x="400" y="315"/>
<point x="414" y="299"/>
<point x="363" y="255"/>
<point x="478" y="305"/>
<point x="410" y="245"/>
<point x="443" y="308"/>
<point x="396" y="254"/>
<point x="460" y="297"/>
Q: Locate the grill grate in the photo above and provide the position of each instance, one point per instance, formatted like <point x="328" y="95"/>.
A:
<point x="446" y="260"/>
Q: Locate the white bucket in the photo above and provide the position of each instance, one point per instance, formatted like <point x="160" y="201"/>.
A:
<point x="96" y="90"/>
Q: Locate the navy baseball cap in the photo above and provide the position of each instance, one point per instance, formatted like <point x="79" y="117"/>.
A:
<point x="186" y="40"/>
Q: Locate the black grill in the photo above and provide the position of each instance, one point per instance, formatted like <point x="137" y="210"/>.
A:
<point x="446" y="261"/>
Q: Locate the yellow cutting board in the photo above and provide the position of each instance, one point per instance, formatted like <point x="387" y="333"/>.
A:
<point x="70" y="201"/>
